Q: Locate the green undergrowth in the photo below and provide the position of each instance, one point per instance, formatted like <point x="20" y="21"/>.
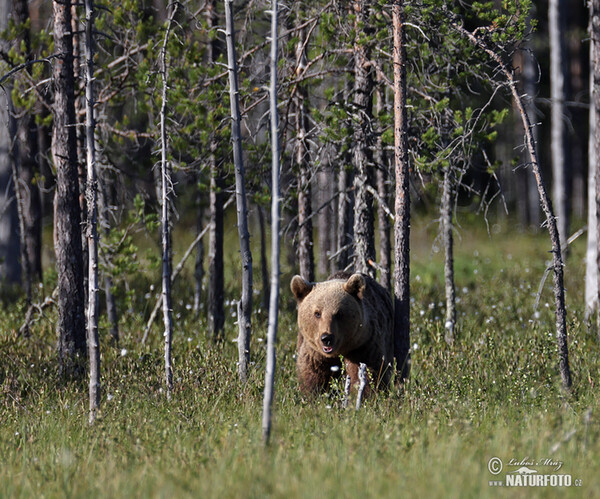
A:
<point x="494" y="393"/>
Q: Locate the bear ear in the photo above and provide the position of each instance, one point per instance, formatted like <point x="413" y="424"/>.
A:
<point x="300" y="287"/>
<point x="355" y="286"/>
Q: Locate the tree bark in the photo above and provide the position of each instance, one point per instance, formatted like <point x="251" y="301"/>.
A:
<point x="383" y="221"/>
<point x="216" y="279"/>
<point x="402" y="202"/>
<point x="558" y="77"/>
<point x="447" y="229"/>
<point x="595" y="154"/>
<point x="364" y="232"/>
<point x="245" y="304"/>
<point x="274" y="295"/>
<point x="591" y="264"/>
<point x="92" y="216"/>
<point x="306" y="259"/>
<point x="166" y="184"/>
<point x="27" y="160"/>
<point x="557" y="261"/>
<point x="67" y="216"/>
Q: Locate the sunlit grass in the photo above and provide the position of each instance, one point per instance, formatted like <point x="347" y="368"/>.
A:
<point x="495" y="392"/>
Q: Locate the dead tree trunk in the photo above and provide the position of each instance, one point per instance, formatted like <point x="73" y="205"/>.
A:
<point x="557" y="260"/>
<point x="216" y="279"/>
<point x="591" y="264"/>
<point x="364" y="232"/>
<point x="402" y="202"/>
<point x="595" y="110"/>
<point x="383" y="221"/>
<point x="447" y="229"/>
<point x="29" y="194"/>
<point x="67" y="216"/>
<point x="167" y="188"/>
<point x="560" y="180"/>
<point x="92" y="216"/>
<point x="245" y="304"/>
<point x="274" y="296"/>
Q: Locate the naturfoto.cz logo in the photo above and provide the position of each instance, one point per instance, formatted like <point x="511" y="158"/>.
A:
<point x="523" y="473"/>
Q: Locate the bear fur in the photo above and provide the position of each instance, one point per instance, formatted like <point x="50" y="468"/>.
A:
<point x="349" y="315"/>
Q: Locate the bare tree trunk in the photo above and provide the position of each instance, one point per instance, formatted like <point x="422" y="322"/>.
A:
<point x="383" y="221"/>
<point x="591" y="255"/>
<point x="447" y="229"/>
<point x="67" y="216"/>
<point x="10" y="271"/>
<point x="216" y="286"/>
<point x="28" y="165"/>
<point x="216" y="279"/>
<point x="167" y="188"/>
<point x="595" y="154"/>
<point x="402" y="202"/>
<point x="364" y="232"/>
<point x="199" y="262"/>
<point x="264" y="271"/>
<point x="245" y="304"/>
<point x="274" y="298"/>
<point x="345" y="221"/>
<point x="557" y="261"/>
<point x="560" y="184"/>
<point x="325" y="218"/>
<point x="92" y="216"/>
<point x="306" y="259"/>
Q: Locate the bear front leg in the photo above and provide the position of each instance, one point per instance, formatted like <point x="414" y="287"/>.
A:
<point x="352" y="371"/>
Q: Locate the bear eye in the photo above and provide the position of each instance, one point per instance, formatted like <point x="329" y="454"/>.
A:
<point x="318" y="314"/>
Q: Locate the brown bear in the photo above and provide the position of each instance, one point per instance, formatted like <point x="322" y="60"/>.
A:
<point x="349" y="315"/>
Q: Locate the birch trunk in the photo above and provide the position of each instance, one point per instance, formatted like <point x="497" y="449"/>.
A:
<point x="383" y="222"/>
<point x="92" y="216"/>
<point x="245" y="304"/>
<point x="274" y="296"/>
<point x="166" y="189"/>
<point x="402" y="202"/>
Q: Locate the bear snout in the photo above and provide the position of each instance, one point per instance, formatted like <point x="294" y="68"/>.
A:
<point x="327" y="339"/>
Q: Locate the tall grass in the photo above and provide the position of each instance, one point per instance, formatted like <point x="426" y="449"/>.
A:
<point x="495" y="393"/>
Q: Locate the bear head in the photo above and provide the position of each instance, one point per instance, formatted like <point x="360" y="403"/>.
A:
<point x="330" y="314"/>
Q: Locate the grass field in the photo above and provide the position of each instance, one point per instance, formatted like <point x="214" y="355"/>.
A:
<point x="495" y="393"/>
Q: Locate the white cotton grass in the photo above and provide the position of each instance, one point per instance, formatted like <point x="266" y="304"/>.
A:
<point x="334" y="369"/>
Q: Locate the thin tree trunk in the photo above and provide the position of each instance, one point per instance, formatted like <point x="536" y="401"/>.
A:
<point x="67" y="216"/>
<point x="264" y="271"/>
<point x="166" y="185"/>
<point x="557" y="261"/>
<point x="325" y="179"/>
<point x="402" y="202"/>
<point x="306" y="259"/>
<point x="560" y="184"/>
<point x="591" y="255"/>
<point x="364" y="232"/>
<point x="245" y="304"/>
<point x="447" y="229"/>
<point x="274" y="298"/>
<point x="216" y="279"/>
<point x="216" y="313"/>
<point x="199" y="262"/>
<point x="595" y="154"/>
<point x="28" y="163"/>
<point x="383" y="222"/>
<point x="92" y="216"/>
